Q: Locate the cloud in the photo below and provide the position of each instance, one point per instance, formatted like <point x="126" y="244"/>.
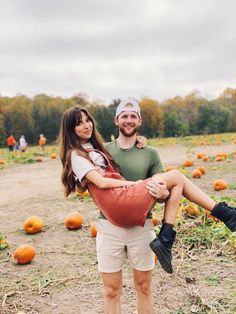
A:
<point x="111" y="49"/>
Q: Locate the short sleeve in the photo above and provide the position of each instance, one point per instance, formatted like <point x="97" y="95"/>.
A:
<point x="80" y="166"/>
<point x="156" y="165"/>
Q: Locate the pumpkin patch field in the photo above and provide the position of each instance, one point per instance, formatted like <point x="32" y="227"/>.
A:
<point x="48" y="243"/>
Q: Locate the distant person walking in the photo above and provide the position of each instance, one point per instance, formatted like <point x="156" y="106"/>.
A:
<point x="11" y="143"/>
<point x="42" y="141"/>
<point x="23" y="143"/>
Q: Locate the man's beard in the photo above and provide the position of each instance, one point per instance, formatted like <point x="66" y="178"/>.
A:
<point x="128" y="134"/>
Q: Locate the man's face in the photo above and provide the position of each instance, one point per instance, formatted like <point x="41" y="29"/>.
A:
<point x="128" y="123"/>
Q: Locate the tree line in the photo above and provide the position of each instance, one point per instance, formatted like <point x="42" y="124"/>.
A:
<point x="178" y="116"/>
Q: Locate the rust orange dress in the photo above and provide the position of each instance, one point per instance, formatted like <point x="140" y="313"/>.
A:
<point x="125" y="206"/>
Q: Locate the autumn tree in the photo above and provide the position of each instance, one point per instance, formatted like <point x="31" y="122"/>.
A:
<point x="186" y="112"/>
<point x="152" y="119"/>
<point x="47" y="111"/>
<point x="18" y="117"/>
<point x="228" y="100"/>
<point x="174" y="112"/>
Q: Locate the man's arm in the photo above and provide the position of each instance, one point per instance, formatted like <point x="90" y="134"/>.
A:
<point x="106" y="183"/>
<point x="158" y="190"/>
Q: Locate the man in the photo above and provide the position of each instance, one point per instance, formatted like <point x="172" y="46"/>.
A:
<point x="117" y="243"/>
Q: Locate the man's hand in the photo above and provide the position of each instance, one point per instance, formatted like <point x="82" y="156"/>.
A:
<point x="158" y="189"/>
<point x="141" y="141"/>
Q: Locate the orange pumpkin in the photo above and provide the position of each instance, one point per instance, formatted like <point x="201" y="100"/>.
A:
<point x="191" y="210"/>
<point x="209" y="215"/>
<point x="220" y="185"/>
<point x="205" y="158"/>
<point x="188" y="163"/>
<point x="39" y="159"/>
<point x="202" y="169"/>
<point x="83" y="194"/>
<point x="74" y="221"/>
<point x="93" y="230"/>
<point x="154" y="220"/>
<point x="196" y="173"/>
<point x="200" y="155"/>
<point x="223" y="155"/>
<point x="2" y="162"/>
<point x="24" y="254"/>
<point x="219" y="158"/>
<point x="33" y="224"/>
<point x="54" y="156"/>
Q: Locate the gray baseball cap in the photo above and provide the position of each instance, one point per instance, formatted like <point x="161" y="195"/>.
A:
<point x="128" y="104"/>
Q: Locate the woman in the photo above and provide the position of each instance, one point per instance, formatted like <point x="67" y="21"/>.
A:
<point x="124" y="203"/>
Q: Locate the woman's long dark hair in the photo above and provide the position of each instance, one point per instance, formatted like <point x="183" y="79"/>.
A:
<point x="70" y="142"/>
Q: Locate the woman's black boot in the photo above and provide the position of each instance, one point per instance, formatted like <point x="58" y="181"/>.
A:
<point x="162" y="246"/>
<point x="225" y="213"/>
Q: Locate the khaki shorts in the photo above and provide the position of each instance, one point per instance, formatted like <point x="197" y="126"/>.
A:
<point x="114" y="244"/>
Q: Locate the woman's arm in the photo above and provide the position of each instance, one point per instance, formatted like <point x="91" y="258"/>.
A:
<point x="105" y="183"/>
<point x="82" y="186"/>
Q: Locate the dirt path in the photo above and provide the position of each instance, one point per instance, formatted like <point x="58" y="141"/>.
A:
<point x="63" y="279"/>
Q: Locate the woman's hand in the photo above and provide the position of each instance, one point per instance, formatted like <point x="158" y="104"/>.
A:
<point x="158" y="189"/>
<point x="141" y="141"/>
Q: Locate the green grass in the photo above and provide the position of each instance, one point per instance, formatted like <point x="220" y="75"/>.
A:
<point x="213" y="139"/>
<point x="212" y="280"/>
<point x="3" y="243"/>
<point x="27" y="157"/>
<point x="200" y="232"/>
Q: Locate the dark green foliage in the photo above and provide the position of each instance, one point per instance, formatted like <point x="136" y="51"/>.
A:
<point x="173" y="126"/>
<point x="104" y="121"/>
<point x="213" y="119"/>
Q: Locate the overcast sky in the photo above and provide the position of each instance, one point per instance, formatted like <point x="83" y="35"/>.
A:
<point x="113" y="49"/>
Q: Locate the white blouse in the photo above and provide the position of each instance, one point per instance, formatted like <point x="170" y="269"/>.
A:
<point x="81" y="166"/>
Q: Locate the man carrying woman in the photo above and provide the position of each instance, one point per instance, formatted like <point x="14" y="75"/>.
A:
<point x="86" y="163"/>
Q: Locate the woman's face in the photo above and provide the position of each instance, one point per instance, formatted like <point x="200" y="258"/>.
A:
<point x="84" y="129"/>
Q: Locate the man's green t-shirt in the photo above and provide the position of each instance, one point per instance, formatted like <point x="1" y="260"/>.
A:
<point x="134" y="163"/>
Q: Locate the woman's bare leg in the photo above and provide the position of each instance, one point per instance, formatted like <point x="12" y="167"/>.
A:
<point x="172" y="204"/>
<point x="193" y="193"/>
<point x="179" y="186"/>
